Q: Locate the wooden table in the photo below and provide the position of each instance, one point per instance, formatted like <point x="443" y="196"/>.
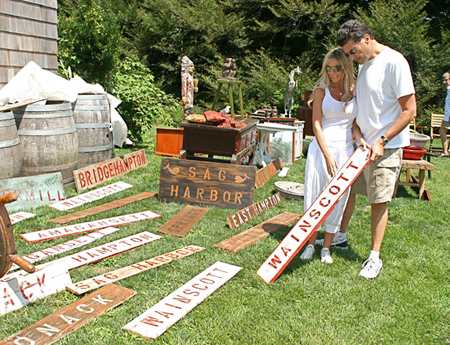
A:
<point x="422" y="166"/>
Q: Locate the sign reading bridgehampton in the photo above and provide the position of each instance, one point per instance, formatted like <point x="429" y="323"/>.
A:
<point x="313" y="217"/>
<point x="22" y="290"/>
<point x="17" y="217"/>
<point x="125" y="272"/>
<point x="95" y="254"/>
<point x="49" y="234"/>
<point x="156" y="320"/>
<point x="95" y="174"/>
<point x="66" y="246"/>
<point x="90" y="196"/>
<point x="33" y="191"/>
<point x="252" y="235"/>
<point x="195" y="182"/>
<point x="101" y="208"/>
<point x="247" y="213"/>
<point x="69" y="319"/>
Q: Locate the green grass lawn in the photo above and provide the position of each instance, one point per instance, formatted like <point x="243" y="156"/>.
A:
<point x="310" y="303"/>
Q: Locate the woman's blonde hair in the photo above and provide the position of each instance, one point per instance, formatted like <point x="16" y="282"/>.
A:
<point x="348" y="79"/>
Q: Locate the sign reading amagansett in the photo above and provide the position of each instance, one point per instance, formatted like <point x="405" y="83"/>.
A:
<point x="209" y="183"/>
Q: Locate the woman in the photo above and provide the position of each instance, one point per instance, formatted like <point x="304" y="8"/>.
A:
<point x="334" y="112"/>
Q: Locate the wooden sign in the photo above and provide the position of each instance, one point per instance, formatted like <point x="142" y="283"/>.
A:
<point x="69" y="319"/>
<point x="183" y="221"/>
<point x="156" y="320"/>
<point x="263" y="175"/>
<point x="313" y="217"/>
<point x="90" y="196"/>
<point x="50" y="234"/>
<point x="66" y="246"/>
<point x="102" y="208"/>
<point x="20" y="291"/>
<point x="250" y="236"/>
<point x="17" y="217"/>
<point x="209" y="183"/>
<point x="33" y="191"/>
<point x="125" y="272"/>
<point x="95" y="254"/>
<point x="247" y="213"/>
<point x="95" y="174"/>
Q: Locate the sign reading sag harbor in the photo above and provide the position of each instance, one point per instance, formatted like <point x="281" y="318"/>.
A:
<point x="209" y="183"/>
<point x="95" y="174"/>
<point x="313" y="217"/>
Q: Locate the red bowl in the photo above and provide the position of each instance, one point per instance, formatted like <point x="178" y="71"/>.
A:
<point x="413" y="154"/>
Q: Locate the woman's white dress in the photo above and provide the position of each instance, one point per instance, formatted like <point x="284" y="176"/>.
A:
<point x="337" y="131"/>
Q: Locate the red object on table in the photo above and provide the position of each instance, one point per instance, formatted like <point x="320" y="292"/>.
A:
<point x="413" y="154"/>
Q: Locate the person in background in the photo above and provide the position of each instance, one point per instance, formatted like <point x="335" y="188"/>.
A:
<point x="446" y="120"/>
<point x="386" y="105"/>
<point x="334" y="112"/>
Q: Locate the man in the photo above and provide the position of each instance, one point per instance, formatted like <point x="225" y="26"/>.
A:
<point x="446" y="120"/>
<point x="386" y="105"/>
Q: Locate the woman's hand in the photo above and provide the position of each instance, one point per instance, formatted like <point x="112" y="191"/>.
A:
<point x="331" y="165"/>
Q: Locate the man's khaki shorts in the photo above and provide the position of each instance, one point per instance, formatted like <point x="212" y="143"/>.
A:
<point x="378" y="179"/>
<point x="445" y="124"/>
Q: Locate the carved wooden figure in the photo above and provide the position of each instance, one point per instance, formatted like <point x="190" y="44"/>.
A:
<point x="8" y="252"/>
<point x="291" y="87"/>
<point x="188" y="85"/>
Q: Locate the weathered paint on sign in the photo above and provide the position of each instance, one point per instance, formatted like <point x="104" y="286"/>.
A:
<point x="183" y="221"/>
<point x="313" y="217"/>
<point x="263" y="175"/>
<point x="17" y="217"/>
<point x="33" y="191"/>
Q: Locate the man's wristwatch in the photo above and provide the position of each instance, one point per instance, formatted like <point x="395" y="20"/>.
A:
<point x="385" y="140"/>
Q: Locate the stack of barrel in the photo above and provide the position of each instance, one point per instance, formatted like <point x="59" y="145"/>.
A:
<point x="55" y="137"/>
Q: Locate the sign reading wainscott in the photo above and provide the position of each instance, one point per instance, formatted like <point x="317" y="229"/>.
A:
<point x="208" y="183"/>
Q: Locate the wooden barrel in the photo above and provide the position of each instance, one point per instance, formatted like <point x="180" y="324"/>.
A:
<point x="93" y="122"/>
<point x="10" y="147"/>
<point x="49" y="140"/>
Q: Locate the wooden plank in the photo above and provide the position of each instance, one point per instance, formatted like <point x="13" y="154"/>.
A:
<point x="23" y="290"/>
<point x="209" y="183"/>
<point x="95" y="174"/>
<point x="96" y="254"/>
<point x="93" y="195"/>
<point x="263" y="175"/>
<point x="33" y="191"/>
<point x="17" y="217"/>
<point x="252" y="235"/>
<point x="66" y="246"/>
<point x="313" y="217"/>
<point x="11" y="106"/>
<point x="156" y="320"/>
<point x="128" y="271"/>
<point x="102" y="208"/>
<point x="50" y="234"/>
<point x="69" y="319"/>
<point x="247" y="213"/>
<point x="183" y="221"/>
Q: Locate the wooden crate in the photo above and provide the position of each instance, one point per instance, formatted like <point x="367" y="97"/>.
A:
<point x="169" y="141"/>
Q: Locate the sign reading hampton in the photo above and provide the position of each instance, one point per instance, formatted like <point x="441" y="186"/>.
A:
<point x="209" y="183"/>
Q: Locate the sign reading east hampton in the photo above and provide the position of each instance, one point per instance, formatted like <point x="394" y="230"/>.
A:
<point x="195" y="182"/>
<point x="66" y="246"/>
<point x="69" y="319"/>
<point x="313" y="217"/>
<point x="95" y="174"/>
<point x="125" y="272"/>
<point x="95" y="254"/>
<point x="101" y="208"/>
<point x="20" y="291"/>
<point x="247" y="213"/>
<point x="156" y="320"/>
<point x="90" y="196"/>
<point x="33" y="191"/>
<point x="50" y="234"/>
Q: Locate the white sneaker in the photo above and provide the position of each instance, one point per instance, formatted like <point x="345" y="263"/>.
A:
<point x="326" y="256"/>
<point x="371" y="268"/>
<point x="308" y="253"/>
<point x="337" y="242"/>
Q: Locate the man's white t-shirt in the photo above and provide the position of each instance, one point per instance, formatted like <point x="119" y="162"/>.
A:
<point x="447" y="106"/>
<point x="380" y="83"/>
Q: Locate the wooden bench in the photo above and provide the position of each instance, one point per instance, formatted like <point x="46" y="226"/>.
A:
<point x="436" y="122"/>
<point x="422" y="166"/>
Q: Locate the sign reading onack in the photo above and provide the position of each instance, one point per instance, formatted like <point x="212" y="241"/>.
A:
<point x="95" y="174"/>
<point x="208" y="183"/>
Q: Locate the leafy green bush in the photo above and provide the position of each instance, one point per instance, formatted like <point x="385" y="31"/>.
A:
<point x="143" y="103"/>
